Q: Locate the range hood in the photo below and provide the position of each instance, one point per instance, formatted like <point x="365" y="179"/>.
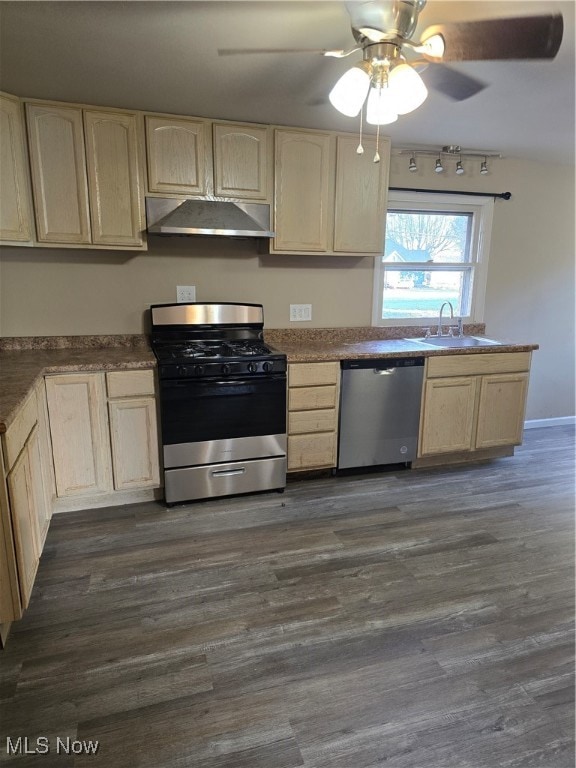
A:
<point x="171" y="216"/>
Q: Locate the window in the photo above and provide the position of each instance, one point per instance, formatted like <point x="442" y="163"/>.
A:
<point x="436" y="250"/>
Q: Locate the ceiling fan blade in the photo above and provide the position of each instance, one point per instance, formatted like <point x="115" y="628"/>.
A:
<point x="244" y="51"/>
<point x="530" y="37"/>
<point x="451" y="83"/>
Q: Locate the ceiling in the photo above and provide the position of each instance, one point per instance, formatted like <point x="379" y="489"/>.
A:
<point x="163" y="56"/>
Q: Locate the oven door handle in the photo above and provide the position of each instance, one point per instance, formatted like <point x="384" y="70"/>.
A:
<point x="228" y="472"/>
<point x="204" y="383"/>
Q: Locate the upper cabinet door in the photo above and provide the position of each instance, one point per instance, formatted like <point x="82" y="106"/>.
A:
<point x="361" y="195"/>
<point x="241" y="161"/>
<point x="177" y="151"/>
<point x="116" y="194"/>
<point x="15" y="213"/>
<point x="58" y="165"/>
<point x="304" y="194"/>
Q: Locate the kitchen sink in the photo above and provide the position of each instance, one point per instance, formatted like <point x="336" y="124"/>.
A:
<point x="457" y="341"/>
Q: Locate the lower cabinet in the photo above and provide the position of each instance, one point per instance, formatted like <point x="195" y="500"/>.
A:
<point x="104" y="433"/>
<point x="25" y="508"/>
<point x="313" y="395"/>
<point x="473" y="402"/>
<point x="133" y="430"/>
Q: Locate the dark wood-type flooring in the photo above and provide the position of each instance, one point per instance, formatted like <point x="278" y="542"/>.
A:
<point x="417" y="619"/>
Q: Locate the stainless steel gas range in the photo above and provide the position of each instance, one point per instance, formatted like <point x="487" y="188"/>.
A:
<point x="222" y="400"/>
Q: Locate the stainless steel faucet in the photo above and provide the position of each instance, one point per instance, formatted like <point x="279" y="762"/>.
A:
<point x="440" y="317"/>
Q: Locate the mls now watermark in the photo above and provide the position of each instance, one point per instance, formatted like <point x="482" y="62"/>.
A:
<point x="22" y="745"/>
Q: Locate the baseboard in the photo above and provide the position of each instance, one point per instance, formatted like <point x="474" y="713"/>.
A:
<point x="560" y="421"/>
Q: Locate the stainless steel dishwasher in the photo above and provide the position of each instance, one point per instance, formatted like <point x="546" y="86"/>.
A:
<point x="379" y="411"/>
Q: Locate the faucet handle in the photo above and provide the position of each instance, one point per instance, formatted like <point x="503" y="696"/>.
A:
<point x="427" y="333"/>
<point x="460" y="326"/>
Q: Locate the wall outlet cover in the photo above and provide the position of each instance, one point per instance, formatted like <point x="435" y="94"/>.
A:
<point x="300" y="312"/>
<point x="185" y="293"/>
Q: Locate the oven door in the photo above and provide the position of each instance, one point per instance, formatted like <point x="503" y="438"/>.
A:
<point x="214" y="420"/>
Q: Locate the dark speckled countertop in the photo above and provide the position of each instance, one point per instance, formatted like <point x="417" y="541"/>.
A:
<point x="24" y="360"/>
<point x="21" y="369"/>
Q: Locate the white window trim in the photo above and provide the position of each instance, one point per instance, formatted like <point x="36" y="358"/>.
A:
<point x="483" y="207"/>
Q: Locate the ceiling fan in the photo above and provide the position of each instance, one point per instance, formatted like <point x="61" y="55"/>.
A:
<point x="388" y="78"/>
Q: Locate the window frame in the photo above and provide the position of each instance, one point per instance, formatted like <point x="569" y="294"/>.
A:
<point x="482" y="209"/>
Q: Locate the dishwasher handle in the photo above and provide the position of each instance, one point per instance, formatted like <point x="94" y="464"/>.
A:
<point x="382" y="365"/>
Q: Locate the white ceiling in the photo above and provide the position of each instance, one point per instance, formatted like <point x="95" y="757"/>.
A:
<point x="162" y="56"/>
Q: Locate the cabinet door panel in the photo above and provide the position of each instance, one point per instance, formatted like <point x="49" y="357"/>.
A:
<point x="39" y="500"/>
<point x="448" y="416"/>
<point x="134" y="443"/>
<point x="361" y="194"/>
<point x="501" y="410"/>
<point x="24" y="524"/>
<point x="240" y="161"/>
<point x="177" y="161"/>
<point x="78" y="427"/>
<point x="116" y="196"/>
<point x="304" y="197"/>
<point x="58" y="166"/>
<point x="15" y="213"/>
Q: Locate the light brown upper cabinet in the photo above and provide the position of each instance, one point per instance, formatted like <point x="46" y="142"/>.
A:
<point x="361" y="195"/>
<point x="15" y="208"/>
<point x="85" y="176"/>
<point x="242" y="162"/>
<point x="177" y="152"/>
<point x="329" y="199"/>
<point x="198" y="158"/>
<point x="304" y="191"/>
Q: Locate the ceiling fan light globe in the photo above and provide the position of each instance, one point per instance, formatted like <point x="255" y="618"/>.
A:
<point x="407" y="89"/>
<point x="349" y="93"/>
<point x="380" y="108"/>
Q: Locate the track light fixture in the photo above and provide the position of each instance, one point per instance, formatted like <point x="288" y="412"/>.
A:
<point x="449" y="151"/>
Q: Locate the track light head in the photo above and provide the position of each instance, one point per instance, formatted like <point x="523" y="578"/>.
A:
<point x="412" y="167"/>
<point x="439" y="167"/>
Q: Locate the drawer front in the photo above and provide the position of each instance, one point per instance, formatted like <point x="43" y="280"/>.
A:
<point x="312" y="374"/>
<point x="301" y="422"/>
<point x="18" y="431"/>
<point x="130" y="383"/>
<point x="477" y="364"/>
<point x="312" y="451"/>
<point x="312" y="398"/>
<point x="192" y="483"/>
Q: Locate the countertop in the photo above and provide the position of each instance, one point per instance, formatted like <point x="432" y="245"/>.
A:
<point x="20" y="369"/>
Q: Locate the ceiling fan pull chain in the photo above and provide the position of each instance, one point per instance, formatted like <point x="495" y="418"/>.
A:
<point x="377" y="155"/>
<point x="360" y="148"/>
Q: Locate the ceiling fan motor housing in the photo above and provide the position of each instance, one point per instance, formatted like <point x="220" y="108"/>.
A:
<point x="387" y="19"/>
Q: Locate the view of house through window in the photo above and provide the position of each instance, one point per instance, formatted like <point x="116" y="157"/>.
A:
<point x="435" y="251"/>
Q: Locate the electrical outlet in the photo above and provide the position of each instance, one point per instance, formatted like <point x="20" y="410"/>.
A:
<point x="300" y="312"/>
<point x="185" y="293"/>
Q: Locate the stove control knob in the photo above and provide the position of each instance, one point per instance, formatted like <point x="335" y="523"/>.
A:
<point x="198" y="370"/>
<point x="181" y="369"/>
<point x="252" y="367"/>
<point x="267" y="367"/>
<point x="226" y="368"/>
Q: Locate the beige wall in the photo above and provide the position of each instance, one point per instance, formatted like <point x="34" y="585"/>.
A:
<point x="530" y="293"/>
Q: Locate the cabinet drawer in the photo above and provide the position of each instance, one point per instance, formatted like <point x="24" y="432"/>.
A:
<point x="312" y="398"/>
<point x="477" y="364"/>
<point x="18" y="431"/>
<point x="312" y="451"/>
<point x="130" y="383"/>
<point x="312" y="374"/>
<point x="301" y="422"/>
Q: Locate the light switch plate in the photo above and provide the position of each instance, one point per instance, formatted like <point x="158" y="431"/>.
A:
<point x="299" y="312"/>
<point x="185" y="293"/>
